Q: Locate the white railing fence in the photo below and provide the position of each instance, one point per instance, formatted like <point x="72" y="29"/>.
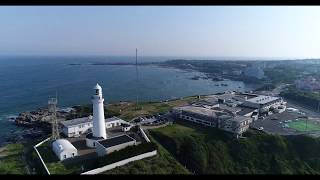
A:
<point x="120" y="163"/>
<point x="35" y="148"/>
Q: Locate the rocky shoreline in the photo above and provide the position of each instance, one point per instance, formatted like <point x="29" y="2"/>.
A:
<point x="34" y="124"/>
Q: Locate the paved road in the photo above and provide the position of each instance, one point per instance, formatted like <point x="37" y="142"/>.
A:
<point x="274" y="126"/>
<point x="279" y="89"/>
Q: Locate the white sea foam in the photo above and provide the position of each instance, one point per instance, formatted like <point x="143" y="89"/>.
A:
<point x="11" y="117"/>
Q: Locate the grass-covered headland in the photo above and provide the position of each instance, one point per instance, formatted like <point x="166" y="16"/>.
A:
<point x="183" y="148"/>
<point x="210" y="151"/>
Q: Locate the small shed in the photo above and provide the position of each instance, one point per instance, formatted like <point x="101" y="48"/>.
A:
<point x="64" y="149"/>
<point x="125" y="127"/>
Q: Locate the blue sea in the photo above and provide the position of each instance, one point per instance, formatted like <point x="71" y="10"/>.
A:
<point x="27" y="82"/>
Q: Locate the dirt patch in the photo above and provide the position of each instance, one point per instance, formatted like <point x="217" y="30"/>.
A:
<point x="3" y="152"/>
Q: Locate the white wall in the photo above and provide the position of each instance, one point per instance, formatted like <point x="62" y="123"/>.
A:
<point x="74" y="131"/>
<point x="66" y="154"/>
<point x="101" y="150"/>
<point x="35" y="148"/>
<point x="91" y="142"/>
<point x="144" y="134"/>
<point x="121" y="163"/>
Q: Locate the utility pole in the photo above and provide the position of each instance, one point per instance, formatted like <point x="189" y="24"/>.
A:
<point x="137" y="80"/>
<point x="306" y="123"/>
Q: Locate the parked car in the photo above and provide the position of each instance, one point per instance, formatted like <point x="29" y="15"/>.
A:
<point x="260" y="128"/>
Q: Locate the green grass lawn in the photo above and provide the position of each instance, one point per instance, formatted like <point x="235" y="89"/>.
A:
<point x="129" y="111"/>
<point x="54" y="165"/>
<point x="162" y="163"/>
<point x="11" y="160"/>
<point x="300" y="125"/>
<point x="176" y="130"/>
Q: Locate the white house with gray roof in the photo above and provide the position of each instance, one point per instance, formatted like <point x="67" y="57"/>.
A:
<point x="76" y="127"/>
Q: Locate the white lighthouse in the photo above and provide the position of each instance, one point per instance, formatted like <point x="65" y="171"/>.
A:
<point x="99" y="126"/>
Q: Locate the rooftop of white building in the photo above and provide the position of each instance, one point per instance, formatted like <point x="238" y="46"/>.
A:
<point x="63" y="145"/>
<point x="261" y="99"/>
<point x="198" y="110"/>
<point x="114" y="141"/>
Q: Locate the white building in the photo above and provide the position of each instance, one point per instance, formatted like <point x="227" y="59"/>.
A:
<point x="76" y="127"/>
<point x="236" y="124"/>
<point x="110" y="145"/>
<point x="265" y="103"/>
<point x="214" y="117"/>
<point x="126" y="127"/>
<point x="64" y="149"/>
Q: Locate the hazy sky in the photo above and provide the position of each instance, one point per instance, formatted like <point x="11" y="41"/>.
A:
<point x="161" y="31"/>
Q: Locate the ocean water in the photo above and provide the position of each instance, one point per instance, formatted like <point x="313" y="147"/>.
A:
<point x="26" y="83"/>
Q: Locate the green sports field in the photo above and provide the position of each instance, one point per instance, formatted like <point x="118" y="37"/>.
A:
<point x="300" y="125"/>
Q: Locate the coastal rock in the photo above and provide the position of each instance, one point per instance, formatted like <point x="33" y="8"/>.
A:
<point x="39" y="117"/>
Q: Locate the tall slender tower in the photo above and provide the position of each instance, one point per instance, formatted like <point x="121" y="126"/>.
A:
<point x="99" y="125"/>
<point x="137" y="81"/>
<point x="52" y="108"/>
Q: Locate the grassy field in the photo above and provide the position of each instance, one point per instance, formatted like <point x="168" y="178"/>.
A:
<point x="209" y="151"/>
<point x="11" y="161"/>
<point x="300" y="125"/>
<point x="176" y="130"/>
<point x="128" y="111"/>
<point x="52" y="162"/>
<point x="162" y="163"/>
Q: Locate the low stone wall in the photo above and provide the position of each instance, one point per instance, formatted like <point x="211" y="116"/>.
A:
<point x="144" y="134"/>
<point x="156" y="126"/>
<point x="35" y="148"/>
<point x="120" y="163"/>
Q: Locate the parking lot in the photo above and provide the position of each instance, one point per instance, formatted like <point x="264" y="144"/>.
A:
<point x="277" y="123"/>
<point x="152" y="120"/>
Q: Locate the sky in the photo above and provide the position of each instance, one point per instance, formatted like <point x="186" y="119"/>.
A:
<point x="182" y="31"/>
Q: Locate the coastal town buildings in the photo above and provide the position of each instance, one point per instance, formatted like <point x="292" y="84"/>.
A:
<point x="309" y="84"/>
<point x="254" y="71"/>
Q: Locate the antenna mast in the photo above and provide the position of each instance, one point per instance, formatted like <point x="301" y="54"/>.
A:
<point x="52" y="108"/>
<point x="137" y="80"/>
